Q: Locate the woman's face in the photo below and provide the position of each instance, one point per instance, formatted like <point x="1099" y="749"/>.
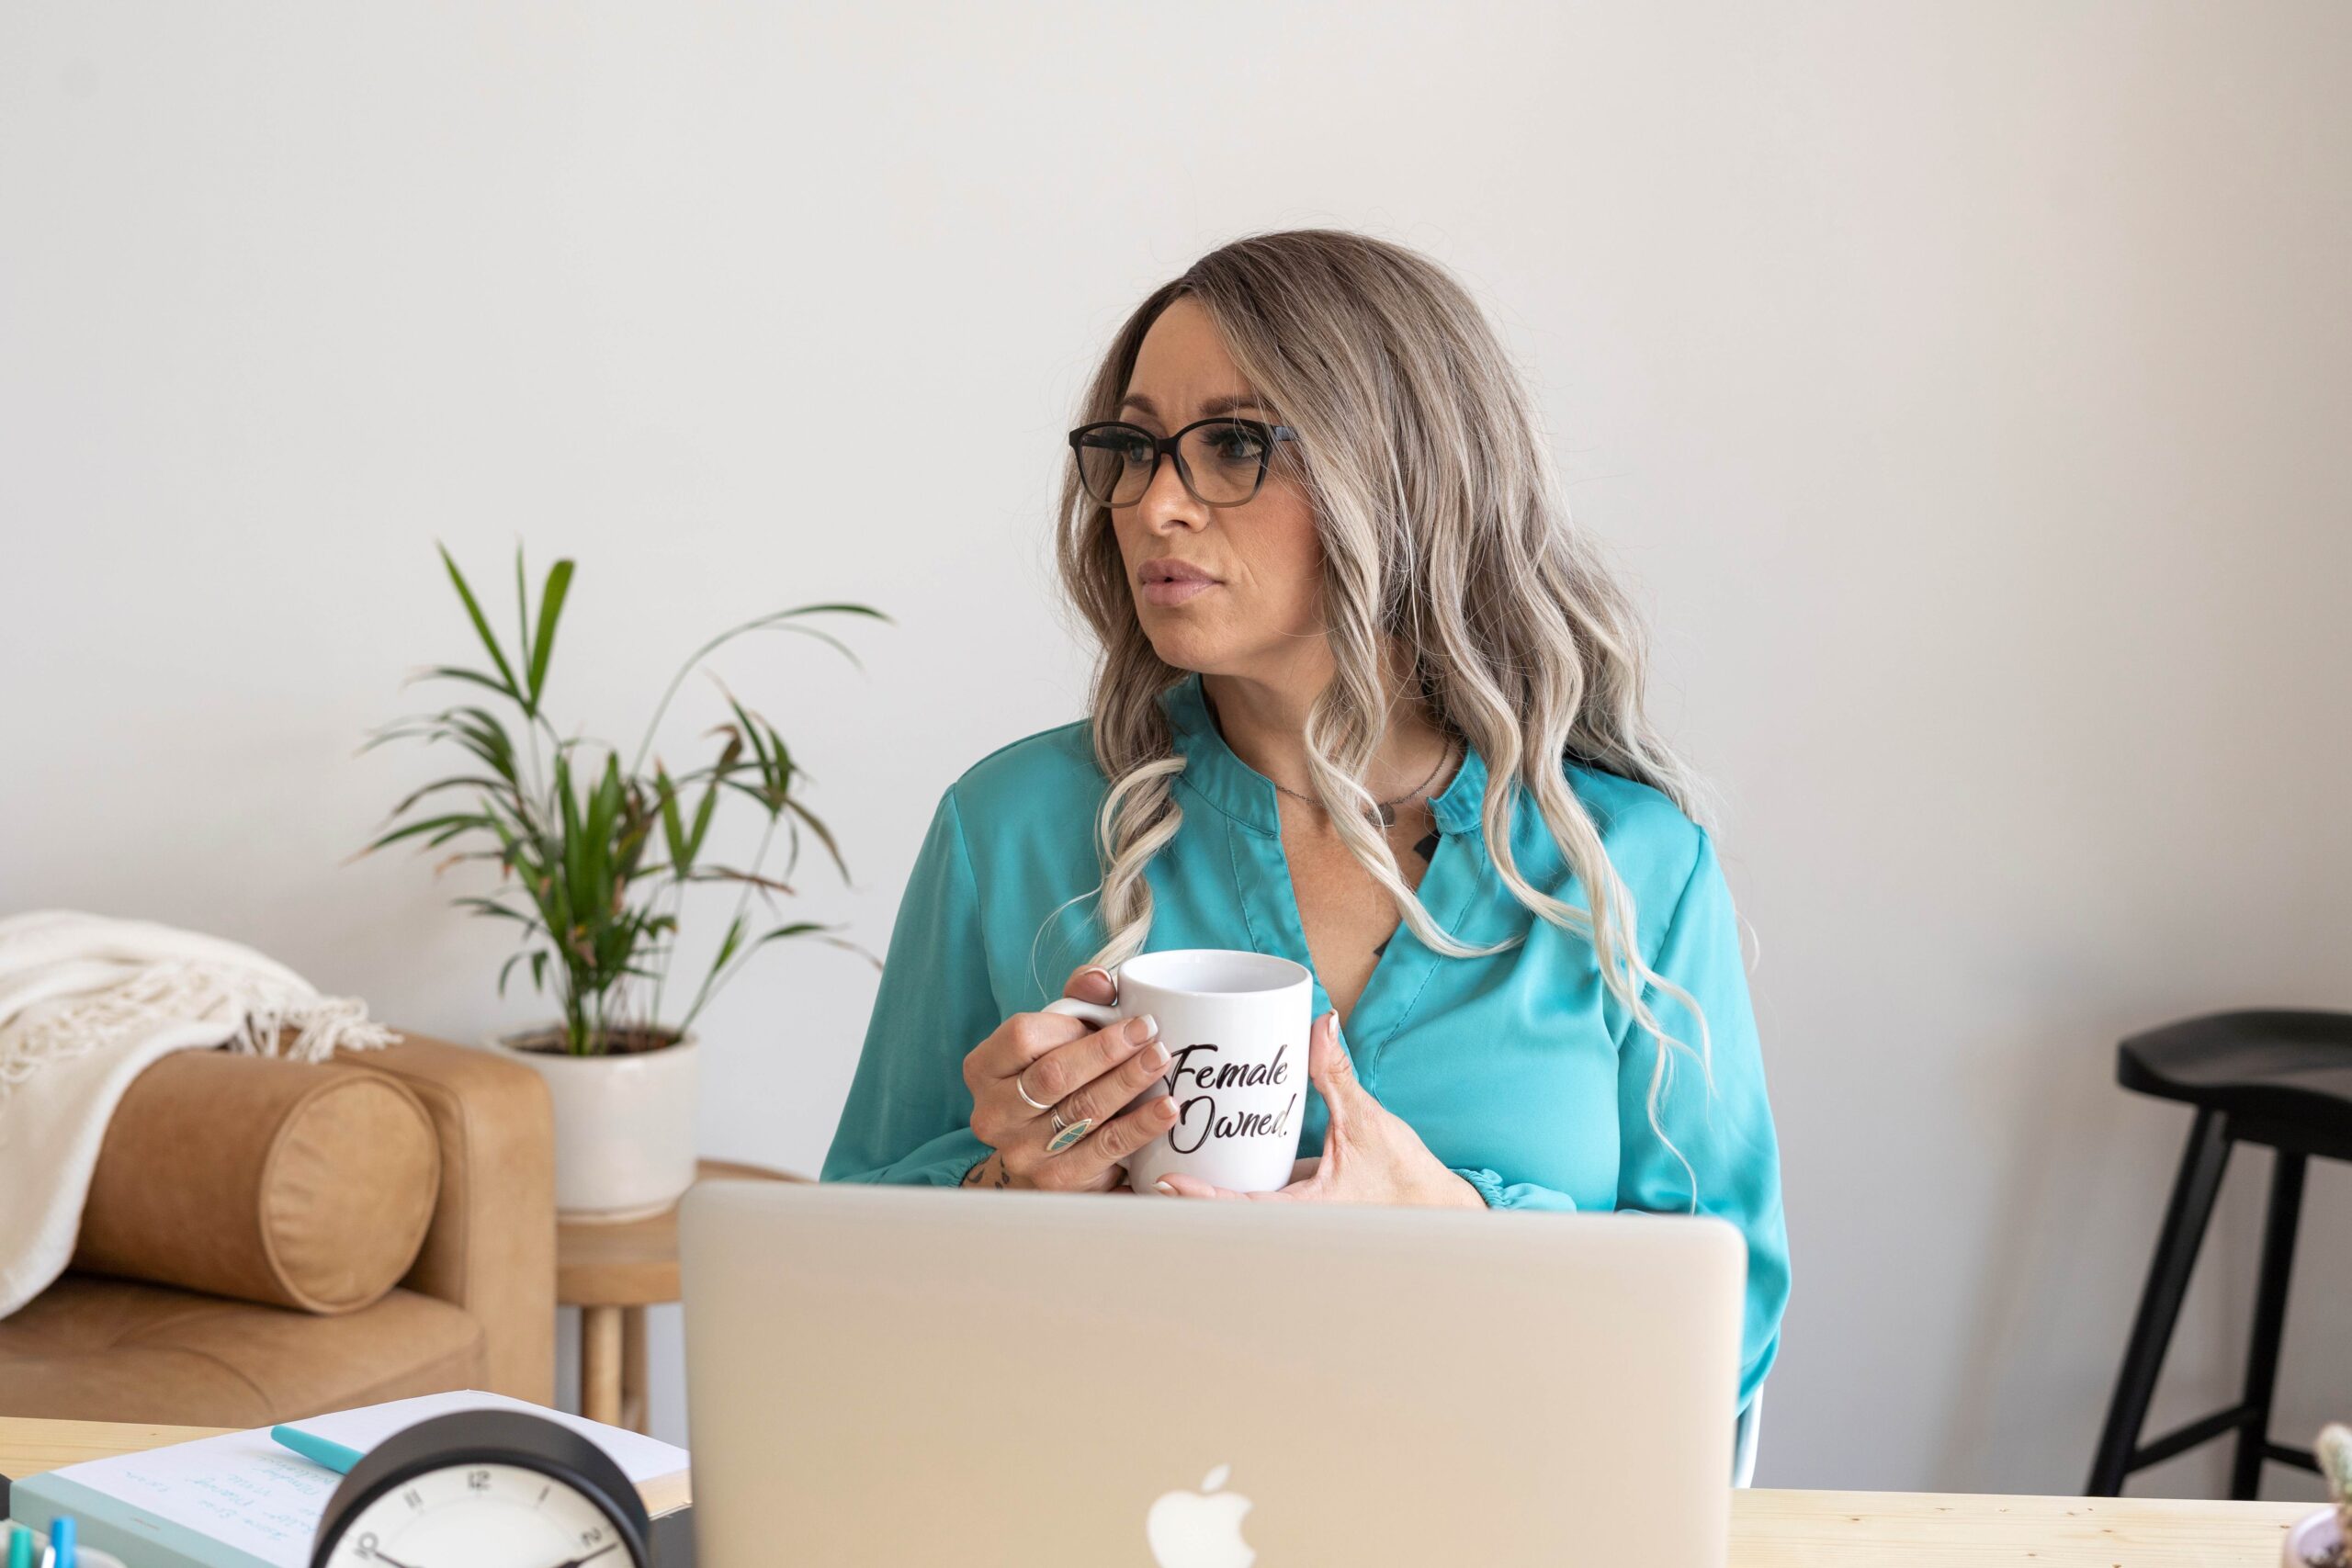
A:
<point x="1263" y="613"/>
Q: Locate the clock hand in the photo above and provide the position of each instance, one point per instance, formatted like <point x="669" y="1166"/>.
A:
<point x="600" y="1551"/>
<point x="390" y="1562"/>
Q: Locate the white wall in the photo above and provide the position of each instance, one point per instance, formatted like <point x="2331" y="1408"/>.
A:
<point x="1963" y="384"/>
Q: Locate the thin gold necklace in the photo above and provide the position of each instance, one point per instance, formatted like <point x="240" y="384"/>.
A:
<point x="1388" y="807"/>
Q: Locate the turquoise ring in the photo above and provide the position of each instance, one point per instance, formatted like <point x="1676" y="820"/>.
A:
<point x="1067" y="1133"/>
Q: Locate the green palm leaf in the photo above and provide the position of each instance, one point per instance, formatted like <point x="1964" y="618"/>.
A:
<point x="551" y="597"/>
<point x="481" y="624"/>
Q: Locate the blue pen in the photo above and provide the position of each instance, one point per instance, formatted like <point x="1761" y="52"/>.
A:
<point x="317" y="1450"/>
<point x="61" y="1542"/>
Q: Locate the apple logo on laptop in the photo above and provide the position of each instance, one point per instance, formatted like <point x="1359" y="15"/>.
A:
<point x="1200" y="1529"/>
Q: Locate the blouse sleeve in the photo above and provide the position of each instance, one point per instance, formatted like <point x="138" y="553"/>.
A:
<point x="908" y="1116"/>
<point x="1501" y="1194"/>
<point x="1726" y="1137"/>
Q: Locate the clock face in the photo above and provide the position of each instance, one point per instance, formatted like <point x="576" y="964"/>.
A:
<point x="480" y="1516"/>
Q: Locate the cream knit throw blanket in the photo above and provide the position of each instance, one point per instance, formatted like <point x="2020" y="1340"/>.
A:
<point x="87" y="1004"/>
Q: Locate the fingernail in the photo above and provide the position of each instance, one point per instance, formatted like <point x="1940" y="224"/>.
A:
<point x="1155" y="1056"/>
<point x="1142" y="1027"/>
<point x="1164" y="1108"/>
<point x="1162" y="1187"/>
<point x="1095" y="969"/>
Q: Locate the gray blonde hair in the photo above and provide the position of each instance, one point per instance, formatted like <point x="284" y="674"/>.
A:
<point x="1443" y="526"/>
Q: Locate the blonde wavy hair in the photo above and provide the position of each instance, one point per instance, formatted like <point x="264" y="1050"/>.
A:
<point x="1443" y="526"/>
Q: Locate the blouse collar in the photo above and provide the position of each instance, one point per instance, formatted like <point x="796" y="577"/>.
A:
<point x="1250" y="798"/>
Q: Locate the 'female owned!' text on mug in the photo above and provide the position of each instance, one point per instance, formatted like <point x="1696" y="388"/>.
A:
<point x="1235" y="1024"/>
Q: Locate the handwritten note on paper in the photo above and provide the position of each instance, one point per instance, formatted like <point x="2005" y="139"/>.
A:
<point x="240" y="1489"/>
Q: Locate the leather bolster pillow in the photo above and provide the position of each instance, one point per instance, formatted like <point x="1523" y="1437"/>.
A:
<point x="300" y="1184"/>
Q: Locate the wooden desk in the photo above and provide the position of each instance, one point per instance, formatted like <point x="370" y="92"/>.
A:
<point x="1960" y="1530"/>
<point x="1768" y="1529"/>
<point x="612" y="1272"/>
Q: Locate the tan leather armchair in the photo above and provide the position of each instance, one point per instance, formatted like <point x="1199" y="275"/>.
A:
<point x="475" y="1310"/>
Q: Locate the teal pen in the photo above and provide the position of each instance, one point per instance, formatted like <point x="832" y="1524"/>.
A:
<point x="61" y="1542"/>
<point x="317" y="1450"/>
<point x="20" y="1546"/>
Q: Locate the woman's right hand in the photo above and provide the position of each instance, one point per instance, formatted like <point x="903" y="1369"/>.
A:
<point x="1090" y="1076"/>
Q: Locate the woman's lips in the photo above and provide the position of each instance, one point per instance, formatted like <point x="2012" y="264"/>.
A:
<point x="1175" y="592"/>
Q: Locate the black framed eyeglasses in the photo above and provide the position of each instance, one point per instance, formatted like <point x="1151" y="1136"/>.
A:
<point x="1222" y="461"/>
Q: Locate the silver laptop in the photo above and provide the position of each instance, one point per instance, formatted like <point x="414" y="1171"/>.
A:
<point x="906" y="1376"/>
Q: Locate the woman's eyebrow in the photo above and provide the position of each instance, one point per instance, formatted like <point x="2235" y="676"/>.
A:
<point x="1210" y="407"/>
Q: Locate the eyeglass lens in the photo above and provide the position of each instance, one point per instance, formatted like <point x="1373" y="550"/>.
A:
<point x="1220" y="462"/>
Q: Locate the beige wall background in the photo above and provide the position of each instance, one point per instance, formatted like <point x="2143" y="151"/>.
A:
<point x="1964" y="386"/>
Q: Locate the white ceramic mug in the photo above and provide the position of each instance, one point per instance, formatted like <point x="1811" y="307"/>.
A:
<point x="1235" y="1024"/>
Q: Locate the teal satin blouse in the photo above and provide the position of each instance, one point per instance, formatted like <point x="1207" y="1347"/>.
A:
<point x="1517" y="1070"/>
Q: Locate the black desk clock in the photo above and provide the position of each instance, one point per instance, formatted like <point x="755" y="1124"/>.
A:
<point x="484" y="1489"/>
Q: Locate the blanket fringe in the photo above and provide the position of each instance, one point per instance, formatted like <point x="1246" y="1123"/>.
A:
<point x="321" y="1025"/>
<point x="254" y="1016"/>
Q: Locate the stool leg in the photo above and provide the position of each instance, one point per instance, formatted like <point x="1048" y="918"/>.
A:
<point x="2270" y="1319"/>
<point x="2193" y="1191"/>
<point x="636" y="1392"/>
<point x="600" y="1364"/>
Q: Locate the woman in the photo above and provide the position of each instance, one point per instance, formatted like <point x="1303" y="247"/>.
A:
<point x="1359" y="672"/>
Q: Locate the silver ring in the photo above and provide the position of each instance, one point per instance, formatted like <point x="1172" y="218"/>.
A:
<point x="1022" y="1091"/>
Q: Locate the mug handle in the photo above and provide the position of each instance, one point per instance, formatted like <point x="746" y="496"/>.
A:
<point x="1094" y="1013"/>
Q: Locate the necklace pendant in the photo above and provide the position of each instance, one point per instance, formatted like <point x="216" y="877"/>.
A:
<point x="1387" y="814"/>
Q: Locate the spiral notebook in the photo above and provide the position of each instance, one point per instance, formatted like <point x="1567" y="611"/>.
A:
<point x="240" y="1500"/>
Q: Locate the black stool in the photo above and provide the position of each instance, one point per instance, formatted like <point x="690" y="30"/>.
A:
<point x="2283" y="1079"/>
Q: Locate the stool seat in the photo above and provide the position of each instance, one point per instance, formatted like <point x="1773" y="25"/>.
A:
<point x="2289" y="1069"/>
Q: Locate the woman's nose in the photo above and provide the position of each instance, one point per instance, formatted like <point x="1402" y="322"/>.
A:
<point x="1166" y="503"/>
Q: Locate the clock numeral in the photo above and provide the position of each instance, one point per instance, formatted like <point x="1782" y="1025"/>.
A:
<point x="590" y="1537"/>
<point x="476" y="1480"/>
<point x="367" y="1543"/>
<point x="412" y="1497"/>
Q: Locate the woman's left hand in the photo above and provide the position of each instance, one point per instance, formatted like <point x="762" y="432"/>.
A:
<point x="1369" y="1155"/>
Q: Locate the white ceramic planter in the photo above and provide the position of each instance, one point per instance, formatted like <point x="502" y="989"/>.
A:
<point x="2310" y="1538"/>
<point x="624" y="1126"/>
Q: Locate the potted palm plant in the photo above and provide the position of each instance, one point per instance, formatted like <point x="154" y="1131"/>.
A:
<point x="595" y="859"/>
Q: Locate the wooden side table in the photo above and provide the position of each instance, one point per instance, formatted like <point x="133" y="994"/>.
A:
<point x="612" y="1273"/>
